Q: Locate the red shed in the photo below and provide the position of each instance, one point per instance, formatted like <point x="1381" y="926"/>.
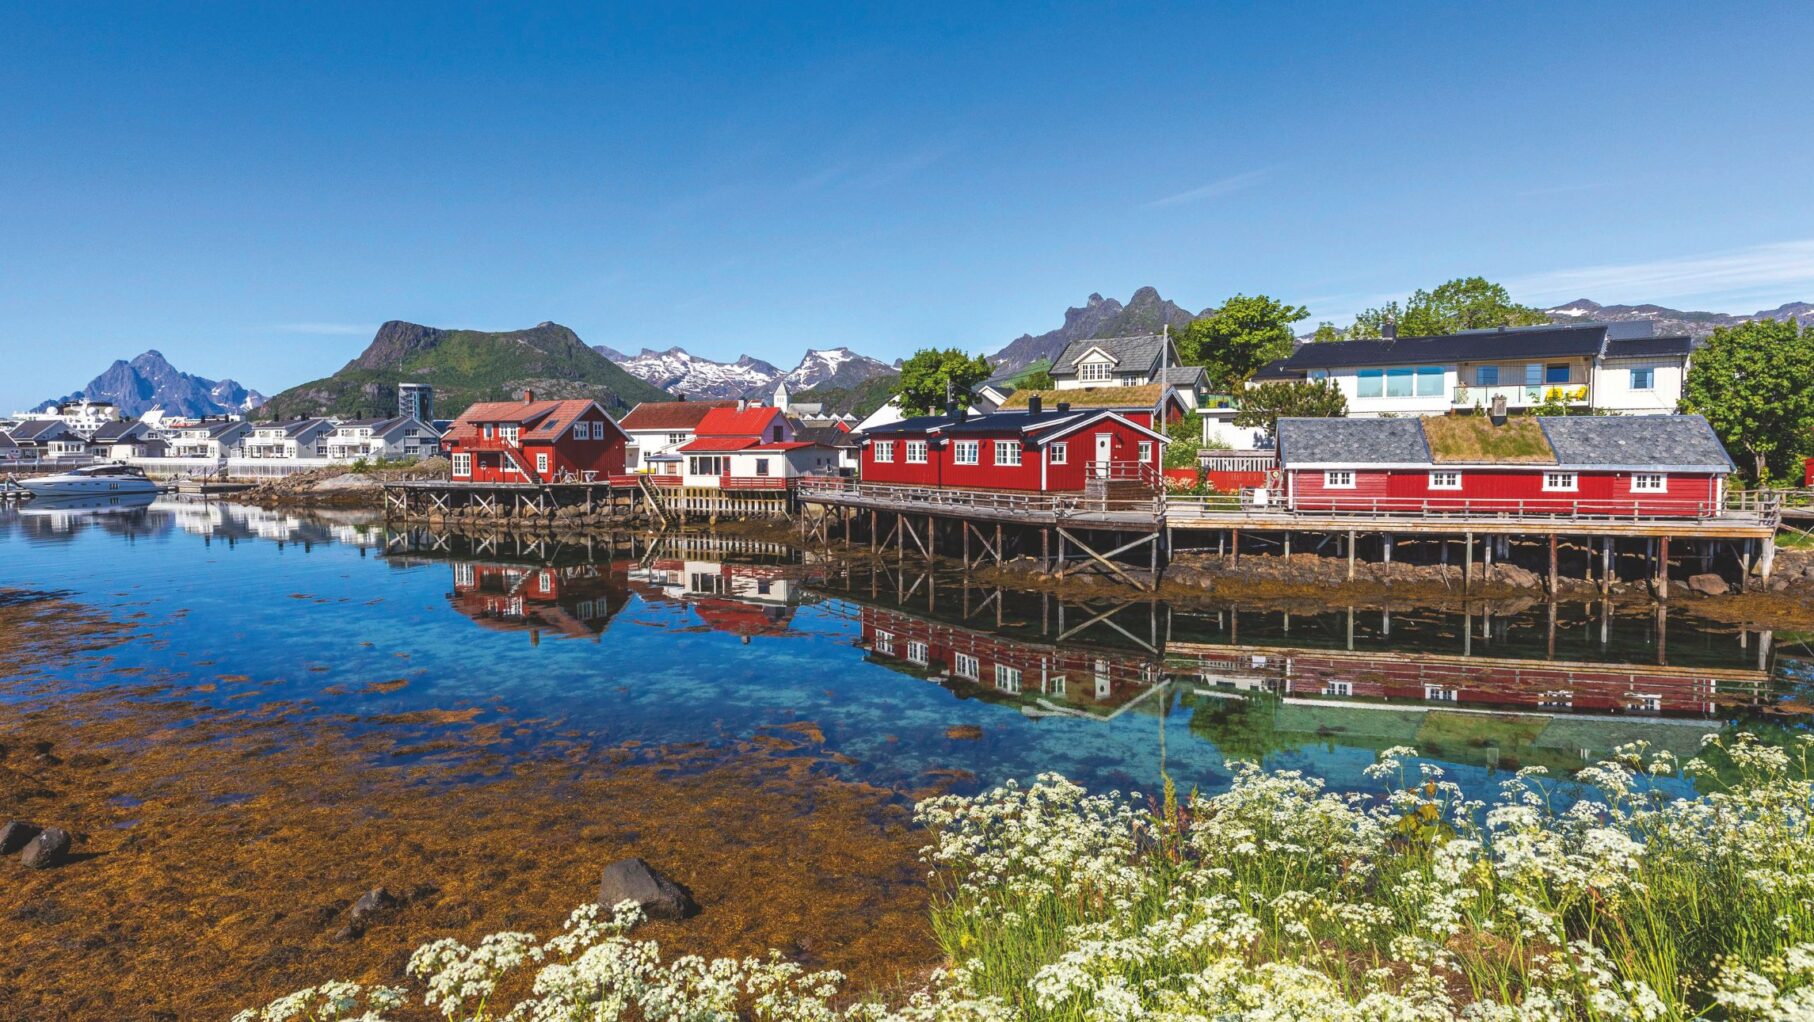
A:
<point x="1027" y="449"/>
<point x="534" y="441"/>
<point x="1651" y="466"/>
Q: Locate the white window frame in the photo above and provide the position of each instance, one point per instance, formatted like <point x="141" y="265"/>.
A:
<point x="1632" y="379"/>
<point x="966" y="452"/>
<point x="1007" y="453"/>
<point x="598" y="431"/>
<point x="1338" y="479"/>
<point x="918" y="652"/>
<point x="1095" y="372"/>
<point x="1058" y="453"/>
<point x="885" y="452"/>
<point x="966" y="666"/>
<point x="1338" y="688"/>
<point x="1561" y="482"/>
<point x="1652" y="482"/>
<point x="884" y="642"/>
<point x="1445" y="479"/>
<point x="462" y="465"/>
<point x="916" y="452"/>
<point x="581" y="431"/>
<point x="1439" y="693"/>
<point x="1007" y="679"/>
<point x="541" y="463"/>
<point x="1146" y="451"/>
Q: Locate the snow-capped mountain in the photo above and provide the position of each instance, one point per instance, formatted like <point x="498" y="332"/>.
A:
<point x="678" y="371"/>
<point x="149" y="381"/>
<point x="1673" y="321"/>
<point x="834" y="367"/>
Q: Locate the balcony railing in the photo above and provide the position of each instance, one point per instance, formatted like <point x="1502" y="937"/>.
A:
<point x="1520" y="397"/>
<point x="1761" y="506"/>
<point x="752" y="482"/>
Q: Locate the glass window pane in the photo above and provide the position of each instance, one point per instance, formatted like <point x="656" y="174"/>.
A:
<point x="1487" y="376"/>
<point x="1556" y="374"/>
<point x="1369" y="383"/>
<point x="1398" y="383"/>
<point x="1429" y="381"/>
<point x="1533" y="375"/>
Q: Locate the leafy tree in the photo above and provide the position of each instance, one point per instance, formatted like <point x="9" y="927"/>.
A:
<point x="1465" y="303"/>
<point x="935" y="377"/>
<point x="1186" y="437"/>
<point x="1235" y="340"/>
<point x="1038" y="379"/>
<point x="1326" y="332"/>
<point x="1755" y="384"/>
<point x="1264" y="405"/>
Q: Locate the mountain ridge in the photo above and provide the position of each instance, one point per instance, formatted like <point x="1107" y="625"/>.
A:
<point x="679" y="371"/>
<point x="1146" y="312"/>
<point x="149" y="381"/>
<point x="1696" y="324"/>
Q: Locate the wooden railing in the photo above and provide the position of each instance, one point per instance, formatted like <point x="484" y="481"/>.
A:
<point x="1237" y="461"/>
<point x="1763" y="507"/>
<point x="906" y="495"/>
<point x="753" y="482"/>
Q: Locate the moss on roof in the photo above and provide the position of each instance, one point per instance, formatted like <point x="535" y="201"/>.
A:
<point x="1090" y="397"/>
<point x="1475" y="439"/>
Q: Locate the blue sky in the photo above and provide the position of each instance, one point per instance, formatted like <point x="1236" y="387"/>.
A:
<point x="252" y="188"/>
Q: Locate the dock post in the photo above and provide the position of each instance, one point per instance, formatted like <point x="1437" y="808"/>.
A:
<point x="1744" y="564"/>
<point x="1605" y="565"/>
<point x="1552" y="564"/>
<point x="1350" y="555"/>
<point x="964" y="524"/>
<point x="1467" y="561"/>
<point x="931" y="538"/>
<point x="1766" y="560"/>
<point x="1288" y="544"/>
<point x="1061" y="568"/>
<point x="1045" y="548"/>
<point x="1387" y="542"/>
<point x="998" y="550"/>
<point x="1486" y="551"/>
<point x="875" y="532"/>
<point x="1663" y="568"/>
<point x="1234" y="546"/>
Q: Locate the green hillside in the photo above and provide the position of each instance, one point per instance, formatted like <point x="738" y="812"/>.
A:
<point x="465" y="366"/>
<point x="859" y="400"/>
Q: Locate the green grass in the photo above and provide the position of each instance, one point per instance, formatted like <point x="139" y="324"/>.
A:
<point x="1474" y="438"/>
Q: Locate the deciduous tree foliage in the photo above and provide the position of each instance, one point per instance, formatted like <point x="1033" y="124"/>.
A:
<point x="1465" y="303"/>
<point x="1038" y="379"/>
<point x="1186" y="440"/>
<point x="1235" y="340"/>
<point x="935" y="376"/>
<point x="1264" y="405"/>
<point x="1755" y="384"/>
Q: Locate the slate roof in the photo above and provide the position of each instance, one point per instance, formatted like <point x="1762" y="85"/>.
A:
<point x="1650" y="347"/>
<point x="1509" y="344"/>
<point x="32" y="430"/>
<point x="830" y="436"/>
<point x="1275" y="370"/>
<point x="1352" y="442"/>
<point x="1048" y="423"/>
<point x="1136" y="354"/>
<point x="1661" y="441"/>
<point x="115" y="431"/>
<point x="673" y="415"/>
<point x="1185" y="376"/>
<point x="6" y="441"/>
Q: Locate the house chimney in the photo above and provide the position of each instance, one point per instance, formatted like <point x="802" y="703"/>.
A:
<point x="1389" y="329"/>
<point x="528" y="396"/>
<point x="1063" y="407"/>
<point x="1033" y="404"/>
<point x="1498" y="412"/>
<point x="743" y="404"/>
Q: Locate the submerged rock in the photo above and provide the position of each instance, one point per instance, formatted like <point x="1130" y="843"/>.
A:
<point x="657" y="895"/>
<point x="1513" y="575"/>
<point x="375" y="902"/>
<point x="49" y="848"/>
<point x="16" y="835"/>
<point x="1708" y="584"/>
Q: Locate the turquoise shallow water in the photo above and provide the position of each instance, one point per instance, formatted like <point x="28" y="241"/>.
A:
<point x="911" y="677"/>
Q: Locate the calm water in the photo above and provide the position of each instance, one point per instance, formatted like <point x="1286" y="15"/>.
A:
<point x="909" y="676"/>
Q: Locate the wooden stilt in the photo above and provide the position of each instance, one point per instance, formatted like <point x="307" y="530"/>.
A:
<point x="1663" y="568"/>
<point x="1552" y="564"/>
<point x="1605" y="565"/>
<point x="1350" y="555"/>
<point x="1467" y="561"/>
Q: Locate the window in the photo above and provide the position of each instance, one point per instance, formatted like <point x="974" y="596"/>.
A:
<point x="1339" y="688"/>
<point x="487" y="431"/>
<point x="1486" y="376"/>
<point x="1007" y="679"/>
<point x="1007" y="452"/>
<point x="884" y="642"/>
<point x="775" y="436"/>
<point x="1341" y="479"/>
<point x="1439" y="693"/>
<point x="463" y="574"/>
<point x="1445" y="480"/>
<point x="1398" y="383"/>
<point x="966" y="452"/>
<point x="1055" y="685"/>
<point x="1317" y="375"/>
<point x="544" y="582"/>
<point x="1057" y="454"/>
<point x="885" y="451"/>
<point x="1369" y="383"/>
<point x="1644" y="379"/>
<point x="1093" y="372"/>
<point x="1146" y="451"/>
<point x="1556" y="373"/>
<point x="1650" y="482"/>
<point x="541" y="462"/>
<point x="509" y="433"/>
<point x="916" y="452"/>
<point x="1429" y="381"/>
<point x="918" y="653"/>
<point x="1562" y="482"/>
<point x="598" y="431"/>
<point x="462" y="464"/>
<point x="965" y="666"/>
<point x="581" y="431"/>
<point x="676" y="439"/>
<point x="762" y="466"/>
<point x="1533" y="375"/>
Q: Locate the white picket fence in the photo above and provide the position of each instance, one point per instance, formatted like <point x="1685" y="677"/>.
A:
<point x="231" y="468"/>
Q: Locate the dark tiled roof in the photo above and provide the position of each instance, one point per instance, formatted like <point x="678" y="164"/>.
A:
<point x="1136" y="354"/>
<point x="35" y="429"/>
<point x="1650" y="347"/>
<point x="830" y="436"/>
<point x="911" y="424"/>
<point x="113" y="431"/>
<point x="1677" y="441"/>
<point x="1275" y="370"/>
<point x="1352" y="442"/>
<point x="1185" y="376"/>
<point x="1509" y="344"/>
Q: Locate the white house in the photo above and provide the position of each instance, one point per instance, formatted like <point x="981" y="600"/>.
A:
<point x="658" y="429"/>
<point x="1136" y="361"/>
<point x="401" y="436"/>
<point x="1576" y="364"/>
<point x="298" y="438"/>
<point x="210" y="438"/>
<point x="119" y="440"/>
<point x="83" y="417"/>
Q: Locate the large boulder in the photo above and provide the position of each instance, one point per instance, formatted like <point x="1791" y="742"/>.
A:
<point x="1708" y="584"/>
<point x="16" y="835"/>
<point x="1513" y="575"/>
<point x="375" y="902"/>
<point x="636" y="881"/>
<point x="50" y="848"/>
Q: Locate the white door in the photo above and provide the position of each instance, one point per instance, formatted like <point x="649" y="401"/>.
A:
<point x="1105" y="450"/>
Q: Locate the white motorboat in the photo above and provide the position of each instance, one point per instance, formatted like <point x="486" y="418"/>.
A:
<point x="111" y="480"/>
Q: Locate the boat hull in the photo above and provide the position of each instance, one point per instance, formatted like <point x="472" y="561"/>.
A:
<point x="80" y="486"/>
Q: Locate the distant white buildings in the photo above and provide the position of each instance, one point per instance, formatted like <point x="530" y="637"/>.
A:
<point x="82" y="417"/>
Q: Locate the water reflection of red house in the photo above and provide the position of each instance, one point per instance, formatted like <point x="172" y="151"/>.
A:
<point x="741" y="599"/>
<point x="576" y="601"/>
<point x="1485" y="683"/>
<point x="1097" y="682"/>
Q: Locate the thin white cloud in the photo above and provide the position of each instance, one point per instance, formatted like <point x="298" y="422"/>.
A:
<point x="334" y="329"/>
<point x="1780" y="267"/>
<point x="1213" y="189"/>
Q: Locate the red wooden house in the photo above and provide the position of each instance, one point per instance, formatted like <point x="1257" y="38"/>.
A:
<point x="1649" y="466"/>
<point x="1029" y="449"/>
<point x="534" y="441"/>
